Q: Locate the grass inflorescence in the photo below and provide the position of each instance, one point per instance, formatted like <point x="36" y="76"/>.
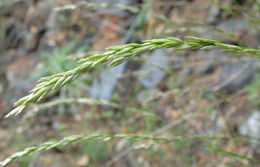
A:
<point x="115" y="55"/>
<point x="97" y="137"/>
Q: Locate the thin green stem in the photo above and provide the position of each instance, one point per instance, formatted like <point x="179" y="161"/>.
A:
<point x="96" y="137"/>
<point x="88" y="101"/>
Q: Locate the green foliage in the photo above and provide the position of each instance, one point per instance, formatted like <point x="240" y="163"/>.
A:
<point x="97" y="151"/>
<point x="182" y="148"/>
<point x="219" y="150"/>
<point x="58" y="61"/>
<point x="157" y="153"/>
<point x="254" y="89"/>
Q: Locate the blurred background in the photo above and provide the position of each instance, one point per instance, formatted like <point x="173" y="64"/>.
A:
<point x="164" y="92"/>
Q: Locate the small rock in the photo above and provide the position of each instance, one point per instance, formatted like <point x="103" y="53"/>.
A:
<point x="208" y="96"/>
<point x="213" y="13"/>
<point x="121" y="145"/>
<point x="204" y="69"/>
<point x="257" y="43"/>
<point x="233" y="78"/>
<point x="145" y="95"/>
<point x="103" y="88"/>
<point x="251" y="127"/>
<point x="154" y="74"/>
<point x="186" y="73"/>
<point x="13" y="35"/>
<point x="51" y="23"/>
<point x="23" y="86"/>
<point x="233" y="25"/>
<point x="83" y="161"/>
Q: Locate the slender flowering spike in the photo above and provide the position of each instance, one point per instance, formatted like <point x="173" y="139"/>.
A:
<point x="96" y="137"/>
<point x="16" y="111"/>
<point x="116" y="55"/>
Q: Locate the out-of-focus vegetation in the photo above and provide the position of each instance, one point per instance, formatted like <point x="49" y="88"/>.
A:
<point x="168" y="107"/>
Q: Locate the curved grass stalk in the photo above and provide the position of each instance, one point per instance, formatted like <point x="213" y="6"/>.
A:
<point x="219" y="150"/>
<point x="116" y="55"/>
<point x="95" y="6"/>
<point x="88" y="101"/>
<point x="96" y="137"/>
